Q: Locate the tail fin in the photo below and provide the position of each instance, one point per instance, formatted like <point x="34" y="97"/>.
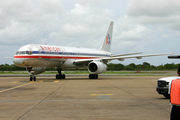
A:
<point x="106" y="45"/>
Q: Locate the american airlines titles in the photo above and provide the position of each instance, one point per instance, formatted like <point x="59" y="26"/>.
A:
<point x="49" y="48"/>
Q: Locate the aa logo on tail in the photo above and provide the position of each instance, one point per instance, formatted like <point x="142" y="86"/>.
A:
<point x="108" y="41"/>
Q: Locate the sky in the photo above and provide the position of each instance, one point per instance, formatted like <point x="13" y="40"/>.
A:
<point x="148" y="26"/>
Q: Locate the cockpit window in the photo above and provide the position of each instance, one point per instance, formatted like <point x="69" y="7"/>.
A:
<point x="23" y="52"/>
<point x="17" y="52"/>
<point x="28" y="52"/>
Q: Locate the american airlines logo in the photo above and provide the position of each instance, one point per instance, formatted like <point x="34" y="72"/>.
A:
<point x="108" y="40"/>
<point x="47" y="48"/>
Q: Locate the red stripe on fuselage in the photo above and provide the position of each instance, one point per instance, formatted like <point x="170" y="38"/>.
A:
<point x="54" y="57"/>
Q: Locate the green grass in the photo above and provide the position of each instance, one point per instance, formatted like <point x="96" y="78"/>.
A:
<point x="86" y="72"/>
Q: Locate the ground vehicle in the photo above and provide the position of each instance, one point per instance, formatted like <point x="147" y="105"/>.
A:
<point x="163" y="85"/>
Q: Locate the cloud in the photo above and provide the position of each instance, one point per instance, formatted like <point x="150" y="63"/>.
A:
<point x="156" y="12"/>
<point x="157" y="8"/>
<point x="140" y="25"/>
<point x="79" y="9"/>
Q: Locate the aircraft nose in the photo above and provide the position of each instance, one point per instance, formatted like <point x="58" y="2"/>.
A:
<point x="18" y="61"/>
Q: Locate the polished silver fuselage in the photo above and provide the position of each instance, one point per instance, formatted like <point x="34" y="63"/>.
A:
<point x="35" y="55"/>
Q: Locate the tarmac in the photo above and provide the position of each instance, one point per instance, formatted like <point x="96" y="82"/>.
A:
<point x="80" y="98"/>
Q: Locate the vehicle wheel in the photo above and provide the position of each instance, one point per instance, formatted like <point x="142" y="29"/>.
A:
<point x="30" y="78"/>
<point x="167" y="96"/>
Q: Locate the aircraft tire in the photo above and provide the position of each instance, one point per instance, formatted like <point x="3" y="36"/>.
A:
<point x="60" y="76"/>
<point x="63" y="76"/>
<point x="93" y="76"/>
<point x="34" y="78"/>
<point x="96" y="76"/>
<point x="57" y="76"/>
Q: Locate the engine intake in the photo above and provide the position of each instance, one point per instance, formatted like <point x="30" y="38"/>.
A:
<point x="96" y="67"/>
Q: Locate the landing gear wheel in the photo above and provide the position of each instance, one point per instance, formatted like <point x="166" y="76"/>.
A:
<point x="60" y="76"/>
<point x="63" y="76"/>
<point x="32" y="77"/>
<point x="57" y="76"/>
<point x="93" y="76"/>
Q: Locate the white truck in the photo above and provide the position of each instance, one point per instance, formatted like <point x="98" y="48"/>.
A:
<point x="163" y="85"/>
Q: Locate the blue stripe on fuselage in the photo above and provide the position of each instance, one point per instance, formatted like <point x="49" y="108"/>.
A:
<point x="69" y="53"/>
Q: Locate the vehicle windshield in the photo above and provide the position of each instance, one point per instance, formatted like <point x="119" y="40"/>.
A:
<point x="23" y="52"/>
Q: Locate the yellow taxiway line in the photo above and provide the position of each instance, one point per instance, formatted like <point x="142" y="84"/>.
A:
<point x="16" y="87"/>
<point x="99" y="94"/>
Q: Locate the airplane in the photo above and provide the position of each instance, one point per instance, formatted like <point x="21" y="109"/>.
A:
<point x="36" y="57"/>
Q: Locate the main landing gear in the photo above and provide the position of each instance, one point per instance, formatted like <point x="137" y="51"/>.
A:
<point x="32" y="77"/>
<point x="93" y="76"/>
<point x="60" y="76"/>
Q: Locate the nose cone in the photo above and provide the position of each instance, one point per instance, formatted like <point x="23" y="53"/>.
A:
<point x="18" y="61"/>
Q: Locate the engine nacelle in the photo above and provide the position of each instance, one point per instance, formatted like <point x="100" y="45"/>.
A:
<point x="96" y="67"/>
<point x="36" y="70"/>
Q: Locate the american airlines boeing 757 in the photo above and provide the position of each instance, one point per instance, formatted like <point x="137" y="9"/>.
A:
<point x="37" y="57"/>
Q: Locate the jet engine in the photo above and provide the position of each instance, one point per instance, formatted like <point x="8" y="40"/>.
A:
<point x="36" y="70"/>
<point x="96" y="67"/>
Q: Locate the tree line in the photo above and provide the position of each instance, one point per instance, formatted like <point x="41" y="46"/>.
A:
<point x="143" y="66"/>
<point x="111" y="66"/>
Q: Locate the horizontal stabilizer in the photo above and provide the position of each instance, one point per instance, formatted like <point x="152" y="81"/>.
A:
<point x="174" y="57"/>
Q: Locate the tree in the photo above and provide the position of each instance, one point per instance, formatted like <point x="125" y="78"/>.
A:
<point x="170" y="66"/>
<point x="131" y="66"/>
<point x="161" y="67"/>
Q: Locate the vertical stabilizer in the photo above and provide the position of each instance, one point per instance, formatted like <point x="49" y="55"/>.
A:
<point x="106" y="45"/>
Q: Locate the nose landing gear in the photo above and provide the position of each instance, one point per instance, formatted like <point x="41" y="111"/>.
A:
<point x="32" y="77"/>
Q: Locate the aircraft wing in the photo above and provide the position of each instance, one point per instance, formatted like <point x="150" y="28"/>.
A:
<point x="126" y="54"/>
<point x="119" y="57"/>
<point x="134" y="56"/>
<point x="83" y="61"/>
<point x="86" y="61"/>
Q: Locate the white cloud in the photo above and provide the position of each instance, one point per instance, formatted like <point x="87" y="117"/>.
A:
<point x="156" y="12"/>
<point x="138" y="33"/>
<point x="153" y="8"/>
<point x="140" y="25"/>
<point x="79" y="9"/>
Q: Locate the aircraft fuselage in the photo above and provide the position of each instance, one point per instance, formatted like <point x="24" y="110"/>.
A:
<point x="35" y="55"/>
